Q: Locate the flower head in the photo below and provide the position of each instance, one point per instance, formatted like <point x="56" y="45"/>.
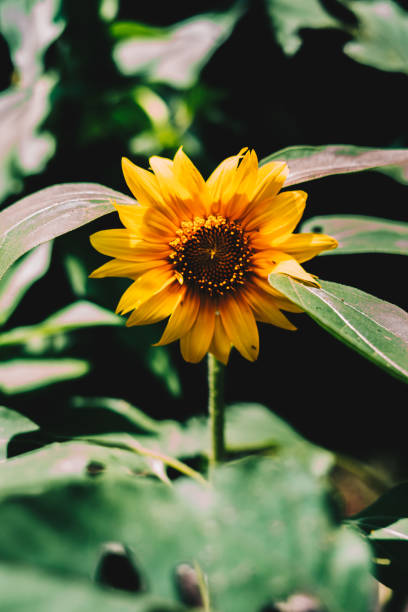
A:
<point x="200" y="251"/>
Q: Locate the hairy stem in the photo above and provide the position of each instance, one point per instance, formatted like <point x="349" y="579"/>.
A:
<point x="216" y="409"/>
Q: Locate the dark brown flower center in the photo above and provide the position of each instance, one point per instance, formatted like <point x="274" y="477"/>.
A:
<point x="211" y="254"/>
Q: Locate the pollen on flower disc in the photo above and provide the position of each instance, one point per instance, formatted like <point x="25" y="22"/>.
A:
<point x="212" y="254"/>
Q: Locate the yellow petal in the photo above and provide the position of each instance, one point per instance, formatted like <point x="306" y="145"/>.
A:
<point x="131" y="215"/>
<point x="222" y="176"/>
<point x="279" y="216"/>
<point x="187" y="174"/>
<point x="195" y="344"/>
<point x="156" y="308"/>
<point x="142" y="183"/>
<point x="173" y="191"/>
<point x="121" y="243"/>
<point x="285" y="264"/>
<point x="182" y="319"/>
<point x="265" y="309"/>
<point x="305" y="246"/>
<point x="220" y="345"/>
<point x="145" y="287"/>
<point x="127" y="269"/>
<point x="240" y="326"/>
<point x="270" y="180"/>
<point x="157" y="226"/>
<point x="237" y="194"/>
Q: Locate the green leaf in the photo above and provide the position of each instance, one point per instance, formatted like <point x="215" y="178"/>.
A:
<point x="381" y="37"/>
<point x="12" y="423"/>
<point x="75" y="316"/>
<point x="173" y="55"/>
<point x="358" y="234"/>
<point x="249" y="428"/>
<point x="28" y="590"/>
<point x="65" y="463"/>
<point x="65" y="528"/>
<point x="290" y="16"/>
<point x="20" y="375"/>
<point x="49" y="213"/>
<point x="279" y="517"/>
<point x="29" y="28"/>
<point x="307" y="163"/>
<point x="20" y="277"/>
<point x="376" y="329"/>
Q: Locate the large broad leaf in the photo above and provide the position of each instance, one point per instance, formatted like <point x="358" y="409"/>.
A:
<point x="28" y="590"/>
<point x="51" y="212"/>
<point x="65" y="463"/>
<point x="376" y="329"/>
<point x="20" y="277"/>
<point x="20" y="375"/>
<point x="271" y="535"/>
<point x="29" y="28"/>
<point x="276" y="510"/>
<point x="358" y="234"/>
<point x="250" y="428"/>
<point x="307" y="163"/>
<point x="65" y="528"/>
<point x="173" y="55"/>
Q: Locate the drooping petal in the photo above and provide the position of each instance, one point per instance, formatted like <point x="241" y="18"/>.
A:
<point x="121" y="243"/>
<point x="145" y="287"/>
<point x="156" y="308"/>
<point x="126" y="269"/>
<point x="195" y="344"/>
<point x="240" y="326"/>
<point x="265" y="308"/>
<point x="142" y="183"/>
<point x="182" y="318"/>
<point x="305" y="246"/>
<point x="285" y="264"/>
<point x="220" y="345"/>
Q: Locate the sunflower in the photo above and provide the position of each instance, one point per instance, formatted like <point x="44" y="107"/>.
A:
<point x="200" y="252"/>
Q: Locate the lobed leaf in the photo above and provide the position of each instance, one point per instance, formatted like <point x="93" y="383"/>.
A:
<point x="12" y="423"/>
<point x="307" y="163"/>
<point x="289" y="17"/>
<point x="173" y="55"/>
<point x="376" y="329"/>
<point x="359" y="234"/>
<point x="29" y="28"/>
<point x="49" y="213"/>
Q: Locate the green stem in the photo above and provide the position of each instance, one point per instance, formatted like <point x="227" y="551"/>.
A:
<point x="216" y="409"/>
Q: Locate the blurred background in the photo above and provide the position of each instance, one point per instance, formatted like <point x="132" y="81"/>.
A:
<point x="84" y="83"/>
